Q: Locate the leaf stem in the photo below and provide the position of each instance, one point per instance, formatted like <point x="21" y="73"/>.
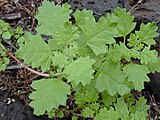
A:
<point x="124" y="40"/>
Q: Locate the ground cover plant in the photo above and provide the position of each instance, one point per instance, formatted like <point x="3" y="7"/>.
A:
<point x="84" y="61"/>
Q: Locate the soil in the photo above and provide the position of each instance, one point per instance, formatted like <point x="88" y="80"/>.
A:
<point x="14" y="82"/>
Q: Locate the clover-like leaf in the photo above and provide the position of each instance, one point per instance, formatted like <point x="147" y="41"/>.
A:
<point x="49" y="94"/>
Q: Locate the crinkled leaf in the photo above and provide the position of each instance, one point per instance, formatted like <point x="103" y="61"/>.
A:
<point x="148" y="56"/>
<point x="94" y="106"/>
<point x="86" y="94"/>
<point x="87" y="112"/>
<point x="35" y="52"/>
<point x="139" y="115"/>
<point x="49" y="94"/>
<point x="153" y="67"/>
<point x="80" y="71"/>
<point x="105" y="114"/>
<point x="122" y="108"/>
<point x="139" y="110"/>
<point x="72" y="50"/>
<point x="120" y="52"/>
<point x="95" y="35"/>
<point x="137" y="74"/>
<point x="67" y="34"/>
<point x="124" y="21"/>
<point x="59" y="59"/>
<point x="107" y="99"/>
<point x="51" y="17"/>
<point x="112" y="79"/>
<point x="147" y="33"/>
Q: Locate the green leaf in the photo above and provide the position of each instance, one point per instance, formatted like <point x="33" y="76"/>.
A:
<point x="107" y="99"/>
<point x="133" y="40"/>
<point x="59" y="59"/>
<point x="87" y="112"/>
<point x="86" y="94"/>
<point x="148" y="56"/>
<point x="94" y="106"/>
<point x="139" y="115"/>
<point x="124" y="21"/>
<point x="153" y="67"/>
<point x="120" y="52"/>
<point x="139" y="110"/>
<point x="35" y="52"/>
<point x="112" y="79"/>
<point x="147" y="33"/>
<point x="3" y="25"/>
<point x="49" y="94"/>
<point x="105" y="114"/>
<point x="122" y="108"/>
<point x="137" y="74"/>
<point x="72" y="50"/>
<point x="51" y="17"/>
<point x="103" y="31"/>
<point x="67" y="34"/>
<point x="80" y="71"/>
<point x="6" y="35"/>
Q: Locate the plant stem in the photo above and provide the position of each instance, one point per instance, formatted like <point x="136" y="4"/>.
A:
<point x="140" y="1"/>
<point x="26" y="67"/>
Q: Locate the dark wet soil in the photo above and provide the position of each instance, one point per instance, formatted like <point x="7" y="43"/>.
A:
<point x="14" y="84"/>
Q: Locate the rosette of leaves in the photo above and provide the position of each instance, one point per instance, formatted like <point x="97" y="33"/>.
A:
<point x="90" y="62"/>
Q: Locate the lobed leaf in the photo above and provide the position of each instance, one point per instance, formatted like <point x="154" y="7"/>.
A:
<point x="52" y="17"/>
<point x="80" y="71"/>
<point x="49" y="94"/>
<point x="105" y="114"/>
<point x="124" y="21"/>
<point x="148" y="56"/>
<point x="112" y="79"/>
<point x="147" y="33"/>
<point x="95" y="34"/>
<point x="137" y="74"/>
<point x="35" y="52"/>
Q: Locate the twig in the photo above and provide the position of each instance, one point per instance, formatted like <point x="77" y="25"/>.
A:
<point x="9" y="43"/>
<point x="139" y="2"/>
